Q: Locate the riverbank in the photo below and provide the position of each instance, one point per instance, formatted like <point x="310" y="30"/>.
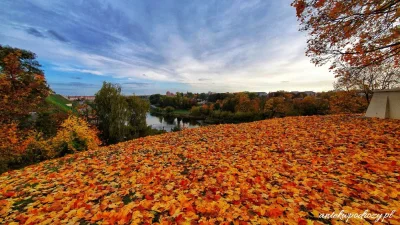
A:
<point x="184" y="114"/>
<point x="217" y="117"/>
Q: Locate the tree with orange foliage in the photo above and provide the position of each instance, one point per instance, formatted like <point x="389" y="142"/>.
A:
<point x="347" y="102"/>
<point x="243" y="102"/>
<point x="354" y="33"/>
<point x="22" y="88"/>
<point x="275" y="107"/>
<point x="13" y="142"/>
<point x="22" y="84"/>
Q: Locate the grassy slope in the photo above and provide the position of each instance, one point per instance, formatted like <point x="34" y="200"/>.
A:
<point x="59" y="101"/>
<point x="278" y="171"/>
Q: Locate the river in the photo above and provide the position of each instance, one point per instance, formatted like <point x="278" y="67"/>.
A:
<point x="168" y="123"/>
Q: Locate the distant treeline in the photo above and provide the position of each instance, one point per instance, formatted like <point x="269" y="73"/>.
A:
<point x="178" y="101"/>
<point x="247" y="106"/>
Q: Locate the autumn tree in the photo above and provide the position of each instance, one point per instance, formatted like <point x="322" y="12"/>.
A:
<point x="75" y="134"/>
<point x="13" y="142"/>
<point x="22" y="84"/>
<point x="354" y="33"/>
<point x="243" y="103"/>
<point x="22" y="88"/>
<point x="347" y="102"/>
<point x="275" y="107"/>
<point x="306" y="106"/>
<point x="247" y="102"/>
<point x="369" y="79"/>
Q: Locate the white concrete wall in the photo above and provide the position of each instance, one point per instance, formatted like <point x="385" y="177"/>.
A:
<point x="385" y="104"/>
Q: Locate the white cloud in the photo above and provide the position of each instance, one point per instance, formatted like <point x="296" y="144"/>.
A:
<point x="213" y="51"/>
<point x="69" y="69"/>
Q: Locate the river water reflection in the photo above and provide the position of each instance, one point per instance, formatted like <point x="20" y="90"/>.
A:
<point x="168" y="123"/>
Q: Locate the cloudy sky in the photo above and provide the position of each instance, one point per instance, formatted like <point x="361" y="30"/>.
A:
<point x="153" y="46"/>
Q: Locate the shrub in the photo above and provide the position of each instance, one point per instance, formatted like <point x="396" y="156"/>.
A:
<point x="150" y="131"/>
<point x="169" y="109"/>
<point x="195" y="111"/>
<point x="205" y="109"/>
<point x="13" y="143"/>
<point x="347" y="102"/>
<point x="74" y="135"/>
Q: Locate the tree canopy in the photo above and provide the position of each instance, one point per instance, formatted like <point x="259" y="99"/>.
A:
<point x="369" y="79"/>
<point x="22" y="83"/>
<point x="119" y="118"/>
<point x="353" y="33"/>
<point x="111" y="112"/>
<point x="137" y="108"/>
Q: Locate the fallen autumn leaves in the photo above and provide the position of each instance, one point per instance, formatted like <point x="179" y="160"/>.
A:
<point x="279" y="171"/>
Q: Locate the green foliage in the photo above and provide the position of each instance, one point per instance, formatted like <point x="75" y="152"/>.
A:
<point x="229" y="105"/>
<point x="155" y="99"/>
<point x="195" y="111"/>
<point x="137" y="108"/>
<point x="78" y="143"/>
<point x="181" y="112"/>
<point x="120" y="118"/>
<point x="203" y="96"/>
<point x="189" y="94"/>
<point x="47" y="122"/>
<point x="169" y="109"/>
<point x="217" y="106"/>
<point x="150" y="131"/>
<point x="179" y="101"/>
<point x="238" y="117"/>
<point x="218" y="96"/>
<point x="157" y="110"/>
<point x="112" y="113"/>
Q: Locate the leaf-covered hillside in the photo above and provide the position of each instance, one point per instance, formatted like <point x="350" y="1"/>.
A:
<point x="279" y="171"/>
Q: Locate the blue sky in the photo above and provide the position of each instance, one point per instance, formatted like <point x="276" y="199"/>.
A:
<point x="153" y="46"/>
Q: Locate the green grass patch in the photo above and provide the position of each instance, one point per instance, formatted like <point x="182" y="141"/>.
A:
<point x="60" y="102"/>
